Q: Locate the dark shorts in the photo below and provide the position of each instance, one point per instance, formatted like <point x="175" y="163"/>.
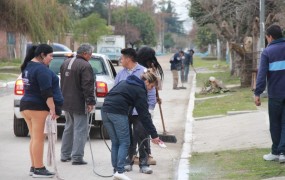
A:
<point x="28" y="105"/>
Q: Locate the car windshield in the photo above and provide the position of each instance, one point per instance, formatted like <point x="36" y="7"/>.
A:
<point x="97" y="64"/>
<point x="110" y="50"/>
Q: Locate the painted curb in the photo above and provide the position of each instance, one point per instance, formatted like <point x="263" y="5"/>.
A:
<point x="184" y="165"/>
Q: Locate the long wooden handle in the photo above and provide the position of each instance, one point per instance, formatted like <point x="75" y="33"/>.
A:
<point x="194" y="69"/>
<point x="160" y="110"/>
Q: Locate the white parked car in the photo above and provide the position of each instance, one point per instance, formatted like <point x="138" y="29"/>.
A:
<point x="105" y="75"/>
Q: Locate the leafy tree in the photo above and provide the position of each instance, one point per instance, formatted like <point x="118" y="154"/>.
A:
<point x="90" y="29"/>
<point x="83" y="8"/>
<point x="173" y="25"/>
<point x="41" y="20"/>
<point x="138" y="19"/>
<point x="204" y="37"/>
<point x="132" y="34"/>
<point x="168" y="41"/>
<point x="147" y="6"/>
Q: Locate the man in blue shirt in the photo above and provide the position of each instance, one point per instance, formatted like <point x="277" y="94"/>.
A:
<point x="272" y="71"/>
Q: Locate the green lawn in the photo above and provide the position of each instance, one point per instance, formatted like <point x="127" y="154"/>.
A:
<point x="234" y="164"/>
<point x="13" y="62"/>
<point x="9" y="69"/>
<point x="210" y="64"/>
<point x="237" y="100"/>
<point x="8" y="76"/>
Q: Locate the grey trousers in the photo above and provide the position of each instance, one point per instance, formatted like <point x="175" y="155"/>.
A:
<point x="175" y="78"/>
<point x="74" y="136"/>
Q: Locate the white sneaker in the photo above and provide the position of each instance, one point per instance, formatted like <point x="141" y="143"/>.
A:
<point x="146" y="170"/>
<point x="128" y="168"/>
<point x="120" y="176"/>
<point x="271" y="157"/>
<point x="282" y="158"/>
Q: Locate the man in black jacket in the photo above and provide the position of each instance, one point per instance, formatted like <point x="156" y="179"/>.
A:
<point x="77" y="85"/>
<point x="175" y="67"/>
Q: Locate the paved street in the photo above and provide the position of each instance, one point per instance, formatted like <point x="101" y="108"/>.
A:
<point x="14" y="155"/>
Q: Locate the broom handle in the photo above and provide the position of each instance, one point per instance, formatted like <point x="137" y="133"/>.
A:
<point x="160" y="110"/>
<point x="194" y="69"/>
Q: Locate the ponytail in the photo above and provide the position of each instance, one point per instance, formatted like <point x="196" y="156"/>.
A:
<point x="29" y="56"/>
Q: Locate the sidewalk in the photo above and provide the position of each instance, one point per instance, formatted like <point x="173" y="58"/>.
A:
<point x="241" y="131"/>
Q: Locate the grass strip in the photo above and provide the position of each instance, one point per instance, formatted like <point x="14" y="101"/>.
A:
<point x="239" y="99"/>
<point x="234" y="164"/>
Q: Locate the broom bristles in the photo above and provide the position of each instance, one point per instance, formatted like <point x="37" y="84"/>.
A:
<point x="167" y="138"/>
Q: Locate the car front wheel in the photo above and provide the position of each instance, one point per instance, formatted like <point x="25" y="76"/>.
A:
<point x="20" y="127"/>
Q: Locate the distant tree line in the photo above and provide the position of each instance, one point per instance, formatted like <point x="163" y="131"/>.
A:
<point x="142" y="23"/>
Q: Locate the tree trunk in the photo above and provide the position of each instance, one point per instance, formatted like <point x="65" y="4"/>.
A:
<point x="236" y="64"/>
<point x="246" y="70"/>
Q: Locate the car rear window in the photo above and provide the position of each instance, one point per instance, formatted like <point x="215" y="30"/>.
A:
<point x="97" y="64"/>
<point x="56" y="63"/>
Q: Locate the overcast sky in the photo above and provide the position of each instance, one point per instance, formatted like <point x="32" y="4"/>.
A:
<point x="181" y="8"/>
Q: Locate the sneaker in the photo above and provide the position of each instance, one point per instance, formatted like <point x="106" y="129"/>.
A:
<point x="42" y="173"/>
<point x="32" y="169"/>
<point x="120" y="176"/>
<point x="270" y="157"/>
<point x="146" y="170"/>
<point x="128" y="168"/>
<point x="82" y="162"/>
<point x="151" y="160"/>
<point x="282" y="158"/>
<point x="66" y="160"/>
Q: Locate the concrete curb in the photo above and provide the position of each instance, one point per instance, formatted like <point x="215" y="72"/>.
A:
<point x="240" y="112"/>
<point x="209" y="117"/>
<point x="211" y="97"/>
<point x="183" y="167"/>
<point x="229" y="113"/>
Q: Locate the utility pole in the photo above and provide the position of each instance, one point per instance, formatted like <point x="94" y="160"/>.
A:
<point x="126" y="20"/>
<point x="109" y="12"/>
<point x="262" y="25"/>
<point x="262" y="36"/>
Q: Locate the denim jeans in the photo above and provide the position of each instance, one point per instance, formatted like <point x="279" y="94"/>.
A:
<point x="117" y="126"/>
<point x="276" y="110"/>
<point x="74" y="136"/>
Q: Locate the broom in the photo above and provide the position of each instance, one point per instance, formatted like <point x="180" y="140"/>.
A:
<point x="194" y="69"/>
<point x="165" y="137"/>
